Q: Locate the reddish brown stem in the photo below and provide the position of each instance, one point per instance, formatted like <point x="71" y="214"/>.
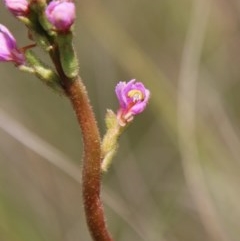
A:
<point x="91" y="177"/>
<point x="91" y="173"/>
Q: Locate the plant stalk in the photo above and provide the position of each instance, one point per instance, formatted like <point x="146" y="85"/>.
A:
<point x="91" y="172"/>
<point x="91" y="176"/>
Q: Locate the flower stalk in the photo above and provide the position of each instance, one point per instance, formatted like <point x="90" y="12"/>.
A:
<point x="76" y="91"/>
<point x="91" y="173"/>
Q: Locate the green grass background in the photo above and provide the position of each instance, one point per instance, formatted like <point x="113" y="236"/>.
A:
<point x="177" y="173"/>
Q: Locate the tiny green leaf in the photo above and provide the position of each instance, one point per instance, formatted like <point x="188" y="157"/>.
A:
<point x="43" y="72"/>
<point x="67" y="55"/>
<point x="110" y="141"/>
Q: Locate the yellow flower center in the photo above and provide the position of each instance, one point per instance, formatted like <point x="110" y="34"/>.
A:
<point x="136" y="95"/>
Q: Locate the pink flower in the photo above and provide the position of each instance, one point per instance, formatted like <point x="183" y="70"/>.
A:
<point x="133" y="98"/>
<point x="17" y="7"/>
<point x="9" y="52"/>
<point x="61" y="14"/>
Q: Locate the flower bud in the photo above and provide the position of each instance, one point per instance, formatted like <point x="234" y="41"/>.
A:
<point x="133" y="98"/>
<point x="17" y="7"/>
<point x="61" y="14"/>
<point x="9" y="52"/>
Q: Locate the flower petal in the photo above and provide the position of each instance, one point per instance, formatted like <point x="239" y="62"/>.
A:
<point x="133" y="98"/>
<point x="119" y="92"/>
<point x="8" y="47"/>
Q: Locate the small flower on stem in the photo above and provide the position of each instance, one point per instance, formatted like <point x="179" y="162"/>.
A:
<point x="17" y="7"/>
<point x="133" y="98"/>
<point x="61" y="14"/>
<point x="9" y="52"/>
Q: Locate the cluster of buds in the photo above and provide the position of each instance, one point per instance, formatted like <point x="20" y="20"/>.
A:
<point x="60" y="13"/>
<point x="44" y="22"/>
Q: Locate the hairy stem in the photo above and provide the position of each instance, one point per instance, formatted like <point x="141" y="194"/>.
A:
<point x="91" y="177"/>
<point x="91" y="172"/>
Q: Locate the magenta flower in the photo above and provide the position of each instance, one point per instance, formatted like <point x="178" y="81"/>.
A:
<point x="17" y="7"/>
<point x="61" y="14"/>
<point x="133" y="98"/>
<point x="9" y="52"/>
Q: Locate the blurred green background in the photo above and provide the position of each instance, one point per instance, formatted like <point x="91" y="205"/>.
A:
<point x="176" y="175"/>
